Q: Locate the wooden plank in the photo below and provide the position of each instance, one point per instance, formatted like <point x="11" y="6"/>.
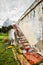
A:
<point x="20" y="57"/>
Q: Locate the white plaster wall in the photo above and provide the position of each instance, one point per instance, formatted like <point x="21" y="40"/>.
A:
<point x="31" y="28"/>
<point x="28" y="32"/>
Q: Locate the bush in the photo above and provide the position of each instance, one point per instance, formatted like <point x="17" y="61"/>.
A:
<point x="5" y="39"/>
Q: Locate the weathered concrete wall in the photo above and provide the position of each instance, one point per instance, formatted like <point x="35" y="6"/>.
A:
<point x="31" y="25"/>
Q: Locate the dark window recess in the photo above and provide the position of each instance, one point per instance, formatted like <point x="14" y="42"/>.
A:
<point x="34" y="13"/>
<point x="42" y="9"/>
<point x="30" y="15"/>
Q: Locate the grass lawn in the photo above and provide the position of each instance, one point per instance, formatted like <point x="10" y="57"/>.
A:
<point x="6" y="55"/>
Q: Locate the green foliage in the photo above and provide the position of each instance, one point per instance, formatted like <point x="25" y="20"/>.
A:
<point x="4" y="29"/>
<point x="6" y="55"/>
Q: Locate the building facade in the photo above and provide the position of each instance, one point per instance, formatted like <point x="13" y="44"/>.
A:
<point x="31" y="22"/>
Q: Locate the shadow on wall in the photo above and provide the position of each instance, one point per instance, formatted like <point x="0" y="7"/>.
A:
<point x="40" y="44"/>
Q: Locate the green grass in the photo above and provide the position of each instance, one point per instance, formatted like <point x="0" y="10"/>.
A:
<point x="6" y="55"/>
